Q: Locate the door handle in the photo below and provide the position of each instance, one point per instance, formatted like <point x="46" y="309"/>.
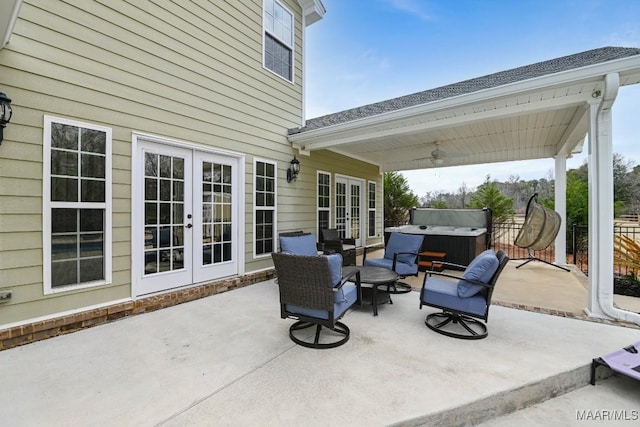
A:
<point x="188" y="226"/>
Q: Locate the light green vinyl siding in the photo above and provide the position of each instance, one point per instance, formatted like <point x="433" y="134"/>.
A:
<point x="188" y="71"/>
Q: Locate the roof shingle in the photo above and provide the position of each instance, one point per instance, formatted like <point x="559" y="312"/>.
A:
<point x="570" y="62"/>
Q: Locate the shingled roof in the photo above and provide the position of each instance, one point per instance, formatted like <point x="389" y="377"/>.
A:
<point x="570" y="62"/>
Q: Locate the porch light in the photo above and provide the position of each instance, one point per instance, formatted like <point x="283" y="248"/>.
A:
<point x="5" y="113"/>
<point x="294" y="170"/>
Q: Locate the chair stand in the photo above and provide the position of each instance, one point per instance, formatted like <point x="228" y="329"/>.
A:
<point x="534" y="258"/>
<point x="475" y="329"/>
<point x="399" y="288"/>
<point x="339" y="328"/>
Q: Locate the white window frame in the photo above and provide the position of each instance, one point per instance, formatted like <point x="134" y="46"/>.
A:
<point x="48" y="205"/>
<point x="266" y="30"/>
<point x="318" y="207"/>
<point x="273" y="208"/>
<point x="373" y="209"/>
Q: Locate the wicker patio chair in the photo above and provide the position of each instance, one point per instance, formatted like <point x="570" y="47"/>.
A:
<point x="401" y="255"/>
<point x="333" y="243"/>
<point x="464" y="301"/>
<point x="314" y="293"/>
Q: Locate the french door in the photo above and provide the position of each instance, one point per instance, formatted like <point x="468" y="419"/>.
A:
<point x="187" y="225"/>
<point x="349" y="201"/>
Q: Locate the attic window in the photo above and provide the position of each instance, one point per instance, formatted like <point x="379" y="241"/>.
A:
<point x="278" y="39"/>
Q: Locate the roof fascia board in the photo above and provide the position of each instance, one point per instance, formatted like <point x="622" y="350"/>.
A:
<point x="588" y="73"/>
<point x="8" y="21"/>
<point x="335" y="139"/>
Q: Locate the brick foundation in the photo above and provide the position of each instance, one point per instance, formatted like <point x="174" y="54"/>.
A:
<point x="40" y="330"/>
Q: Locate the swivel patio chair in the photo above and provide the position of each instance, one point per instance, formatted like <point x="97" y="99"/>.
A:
<point x="314" y="293"/>
<point x="539" y="230"/>
<point x="333" y="243"/>
<point x="465" y="300"/>
<point x="400" y="255"/>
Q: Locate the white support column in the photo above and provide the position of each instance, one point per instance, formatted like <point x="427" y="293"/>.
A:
<point x="601" y="206"/>
<point x="560" y="179"/>
<point x="593" y="307"/>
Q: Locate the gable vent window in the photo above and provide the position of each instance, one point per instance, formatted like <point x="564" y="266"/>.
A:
<point x="278" y="39"/>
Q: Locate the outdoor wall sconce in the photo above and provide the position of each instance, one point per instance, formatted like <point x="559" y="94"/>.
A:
<point x="5" y="113"/>
<point x="294" y="170"/>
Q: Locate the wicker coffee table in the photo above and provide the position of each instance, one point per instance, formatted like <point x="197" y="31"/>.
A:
<point x="376" y="277"/>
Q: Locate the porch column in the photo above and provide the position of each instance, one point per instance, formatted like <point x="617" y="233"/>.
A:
<point x="560" y="178"/>
<point x="600" y="160"/>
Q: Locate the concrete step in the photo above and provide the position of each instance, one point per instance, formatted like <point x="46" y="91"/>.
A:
<point x="503" y="405"/>
<point x="613" y="401"/>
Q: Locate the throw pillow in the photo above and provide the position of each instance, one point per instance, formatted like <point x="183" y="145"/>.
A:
<point x="481" y="269"/>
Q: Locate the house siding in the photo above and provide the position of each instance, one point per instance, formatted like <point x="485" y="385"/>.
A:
<point x="186" y="71"/>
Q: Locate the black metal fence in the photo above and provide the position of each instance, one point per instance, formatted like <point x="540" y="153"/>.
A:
<point x="504" y="234"/>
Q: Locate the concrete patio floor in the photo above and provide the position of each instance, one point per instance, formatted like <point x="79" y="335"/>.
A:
<point x="227" y="360"/>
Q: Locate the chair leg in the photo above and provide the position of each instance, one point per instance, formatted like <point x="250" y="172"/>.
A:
<point x="339" y="328"/>
<point x="475" y="329"/>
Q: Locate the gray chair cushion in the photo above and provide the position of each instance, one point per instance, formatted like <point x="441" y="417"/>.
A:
<point x="347" y="298"/>
<point x="399" y="242"/>
<point x="401" y="268"/>
<point x="335" y="265"/>
<point x="444" y="293"/>
<point x="482" y="269"/>
<point x="304" y="244"/>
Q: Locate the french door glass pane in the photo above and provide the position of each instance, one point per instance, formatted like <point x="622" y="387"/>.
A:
<point x="216" y="200"/>
<point x="163" y="213"/>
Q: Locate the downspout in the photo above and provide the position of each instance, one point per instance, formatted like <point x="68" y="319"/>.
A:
<point x="604" y="276"/>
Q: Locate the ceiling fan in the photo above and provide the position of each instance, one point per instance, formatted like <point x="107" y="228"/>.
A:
<point x="437" y="155"/>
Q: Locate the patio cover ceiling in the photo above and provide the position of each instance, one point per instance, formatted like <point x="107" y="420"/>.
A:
<point x="532" y="112"/>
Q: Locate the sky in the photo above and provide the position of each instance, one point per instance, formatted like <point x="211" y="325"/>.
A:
<point x="366" y="51"/>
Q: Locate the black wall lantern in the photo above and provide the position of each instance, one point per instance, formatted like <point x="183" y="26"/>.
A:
<point x="5" y="113"/>
<point x="294" y="170"/>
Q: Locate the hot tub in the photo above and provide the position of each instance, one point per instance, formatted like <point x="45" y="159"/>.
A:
<point x="461" y="233"/>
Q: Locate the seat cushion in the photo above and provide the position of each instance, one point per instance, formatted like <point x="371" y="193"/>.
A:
<point x="335" y="266"/>
<point x="304" y="244"/>
<point x="399" y="242"/>
<point x="444" y="293"/>
<point x="482" y="269"/>
<point x="401" y="268"/>
<point x="344" y="299"/>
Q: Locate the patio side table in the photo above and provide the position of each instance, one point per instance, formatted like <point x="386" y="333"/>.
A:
<point x="376" y="277"/>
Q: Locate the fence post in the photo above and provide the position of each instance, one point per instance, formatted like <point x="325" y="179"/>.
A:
<point x="574" y="243"/>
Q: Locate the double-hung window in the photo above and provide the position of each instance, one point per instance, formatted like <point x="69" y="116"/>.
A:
<point x="278" y="39"/>
<point x="265" y="206"/>
<point x="324" y="201"/>
<point x="76" y="204"/>
<point x="372" y="209"/>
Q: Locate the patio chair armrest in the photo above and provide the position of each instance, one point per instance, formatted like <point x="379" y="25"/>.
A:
<point x="348" y="278"/>
<point x="453" y="276"/>
<point x="349" y="241"/>
<point x="395" y="258"/>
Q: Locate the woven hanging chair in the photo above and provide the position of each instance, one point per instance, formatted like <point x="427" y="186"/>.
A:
<point x="540" y="228"/>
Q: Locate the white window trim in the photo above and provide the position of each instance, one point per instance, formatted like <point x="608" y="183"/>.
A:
<point x="275" y="206"/>
<point x="318" y="208"/>
<point x="374" y="209"/>
<point x="292" y="47"/>
<point x="48" y="205"/>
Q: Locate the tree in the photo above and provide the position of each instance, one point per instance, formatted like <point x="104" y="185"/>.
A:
<point x="577" y="198"/>
<point x="398" y="199"/>
<point x="488" y="196"/>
